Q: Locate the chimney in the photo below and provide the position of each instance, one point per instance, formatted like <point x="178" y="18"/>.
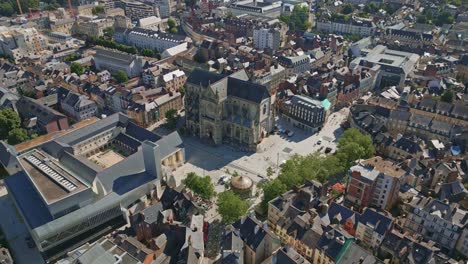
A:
<point x="256" y="229"/>
<point x="152" y="162"/>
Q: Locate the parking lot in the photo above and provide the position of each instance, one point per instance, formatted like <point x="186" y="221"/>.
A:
<point x="216" y="161"/>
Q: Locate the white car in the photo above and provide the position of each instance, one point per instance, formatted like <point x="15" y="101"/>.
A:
<point x="290" y="133"/>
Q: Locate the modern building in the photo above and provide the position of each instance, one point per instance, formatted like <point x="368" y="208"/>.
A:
<point x="136" y="10"/>
<point x="18" y="42"/>
<point x="395" y="66"/>
<point x="77" y="186"/>
<point x="227" y="108"/>
<point x="165" y="7"/>
<point x="374" y="182"/>
<point x="264" y="38"/>
<point x="304" y="112"/>
<point x="150" y="39"/>
<point x="113" y="61"/>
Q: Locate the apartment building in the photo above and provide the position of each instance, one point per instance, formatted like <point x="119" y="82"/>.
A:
<point x="439" y="221"/>
<point x="173" y="80"/>
<point x="136" y="10"/>
<point x="374" y="182"/>
<point x="295" y="65"/>
<point x="372" y="228"/>
<point x="355" y="26"/>
<point x="264" y="38"/>
<point x="271" y="77"/>
<point x="18" y="42"/>
<point x="76" y="106"/>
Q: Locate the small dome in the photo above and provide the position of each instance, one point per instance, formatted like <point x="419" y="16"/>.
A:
<point x="241" y="183"/>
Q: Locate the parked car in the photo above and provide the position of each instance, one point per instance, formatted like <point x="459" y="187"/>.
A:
<point x="319" y="142"/>
<point x="224" y="179"/>
<point x="290" y="133"/>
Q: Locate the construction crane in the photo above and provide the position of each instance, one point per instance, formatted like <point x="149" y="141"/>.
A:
<point x="70" y="8"/>
<point x="19" y="6"/>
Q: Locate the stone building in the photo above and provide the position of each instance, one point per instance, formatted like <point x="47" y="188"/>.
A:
<point x="227" y="108"/>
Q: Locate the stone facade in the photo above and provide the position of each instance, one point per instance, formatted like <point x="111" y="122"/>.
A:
<point x="228" y="108"/>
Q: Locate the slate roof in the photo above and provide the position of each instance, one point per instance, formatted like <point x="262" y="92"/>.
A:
<point x="288" y="255"/>
<point x="247" y="90"/>
<point x="203" y="77"/>
<point x="28" y="108"/>
<point x="341" y="214"/>
<point x="451" y="190"/>
<point x="380" y="222"/>
<point x="246" y="228"/>
<point x="408" y="145"/>
<point x="329" y="242"/>
<point x="415" y="253"/>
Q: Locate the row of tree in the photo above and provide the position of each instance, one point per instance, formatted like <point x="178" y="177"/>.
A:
<point x="298" y="20"/>
<point x="353" y="145"/>
<point x="113" y="45"/>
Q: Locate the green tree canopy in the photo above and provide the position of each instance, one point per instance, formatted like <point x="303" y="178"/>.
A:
<point x="200" y="185"/>
<point x="298" y="19"/>
<point x="171" y="118"/>
<point x="109" y="32"/>
<point x="444" y="17"/>
<point x="447" y="96"/>
<point x="231" y="207"/>
<point x="147" y="52"/>
<point x="98" y="10"/>
<point x="171" y="23"/>
<point x="6" y="9"/>
<point x="272" y="189"/>
<point x="17" y="135"/>
<point x="77" y="68"/>
<point x="354" y="145"/>
<point x="9" y="120"/>
<point x="121" y="76"/>
<point x="173" y="30"/>
<point x="348" y="9"/>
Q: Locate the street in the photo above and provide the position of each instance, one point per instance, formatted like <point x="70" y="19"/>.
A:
<point x="16" y="231"/>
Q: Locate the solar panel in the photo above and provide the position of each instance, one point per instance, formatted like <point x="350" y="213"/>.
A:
<point x="51" y="173"/>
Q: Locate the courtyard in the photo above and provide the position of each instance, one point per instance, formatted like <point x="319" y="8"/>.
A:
<point x="106" y="158"/>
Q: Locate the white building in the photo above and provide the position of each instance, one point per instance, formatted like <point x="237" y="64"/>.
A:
<point x="19" y="42"/>
<point x="266" y="38"/>
<point x="150" y="39"/>
<point x="354" y="26"/>
<point x="164" y="6"/>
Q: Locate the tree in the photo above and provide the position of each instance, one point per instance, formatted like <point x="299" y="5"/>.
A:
<point x="348" y="9"/>
<point x="171" y="118"/>
<point x="231" y="207"/>
<point x="6" y="9"/>
<point x="77" y="68"/>
<point x="147" y="52"/>
<point x="98" y="10"/>
<point x="269" y="172"/>
<point x="173" y="30"/>
<point x="444" y="17"/>
<point x="17" y="135"/>
<point x="421" y="19"/>
<point x="109" y="32"/>
<point x="121" y="76"/>
<point x="9" y="120"/>
<point x="298" y="20"/>
<point x="200" y="185"/>
<point x="171" y="23"/>
<point x="354" y="145"/>
<point x="447" y="96"/>
<point x="271" y="190"/>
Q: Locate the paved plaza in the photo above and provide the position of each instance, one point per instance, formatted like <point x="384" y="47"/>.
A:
<point x="216" y="161"/>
